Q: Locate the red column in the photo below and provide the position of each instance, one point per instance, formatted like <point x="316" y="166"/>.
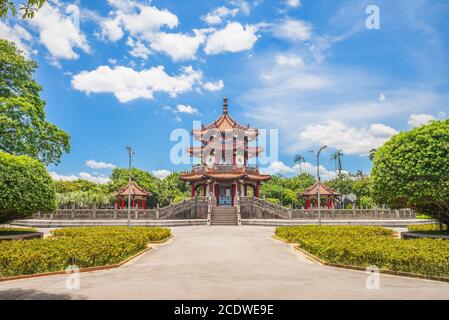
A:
<point x="329" y="203"/>
<point x="123" y="203"/>
<point x="257" y="191"/>
<point x="205" y="189"/>
<point x="232" y="194"/>
<point x="217" y="193"/>
<point x="132" y="202"/>
<point x="308" y="202"/>
<point x="193" y="191"/>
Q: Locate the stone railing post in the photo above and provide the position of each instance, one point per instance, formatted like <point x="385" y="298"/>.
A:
<point x="157" y="211"/>
<point x="115" y="213"/>
<point x="72" y="213"/>
<point x="354" y="210"/>
<point x="136" y="214"/>
<point x="94" y="211"/>
<point x="290" y="211"/>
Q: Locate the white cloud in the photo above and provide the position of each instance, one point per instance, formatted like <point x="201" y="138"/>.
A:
<point x="289" y="60"/>
<point x="59" y="177"/>
<point x="18" y="35"/>
<point x="112" y="61"/>
<point x="161" y="174"/>
<point x="178" y="46"/>
<point x="215" y="17"/>
<point x="82" y="176"/>
<point x="280" y="168"/>
<point x="243" y="5"/>
<point x="140" y="19"/>
<point x="214" y="86"/>
<point x="99" y="165"/>
<point x="139" y="50"/>
<point x="382" y="97"/>
<point x="59" y="32"/>
<point x="233" y="38"/>
<point x="128" y="84"/>
<point x="416" y="120"/>
<point x="94" y="179"/>
<point x="181" y="108"/>
<point x="112" y="28"/>
<point x="293" y="30"/>
<point x="293" y="3"/>
<point x="352" y="140"/>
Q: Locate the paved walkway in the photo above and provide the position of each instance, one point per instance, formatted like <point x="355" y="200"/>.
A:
<point x="224" y="263"/>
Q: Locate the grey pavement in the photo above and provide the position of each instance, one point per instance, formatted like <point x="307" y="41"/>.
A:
<point x="224" y="263"/>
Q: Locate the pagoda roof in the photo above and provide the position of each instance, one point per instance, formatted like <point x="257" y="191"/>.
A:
<point x="225" y="123"/>
<point x="136" y="190"/>
<point x="210" y="173"/>
<point x="324" y="190"/>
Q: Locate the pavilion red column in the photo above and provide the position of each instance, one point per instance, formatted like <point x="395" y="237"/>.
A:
<point x="132" y="202"/>
<point x="308" y="202"/>
<point x="256" y="191"/>
<point x="123" y="203"/>
<point x="329" y="203"/>
<point x="144" y="202"/>
<point x="193" y="191"/>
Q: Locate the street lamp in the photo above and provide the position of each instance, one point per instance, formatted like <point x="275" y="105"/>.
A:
<point x="317" y="154"/>
<point x="130" y="153"/>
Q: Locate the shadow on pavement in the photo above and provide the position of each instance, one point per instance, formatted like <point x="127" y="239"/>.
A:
<point x="31" y="294"/>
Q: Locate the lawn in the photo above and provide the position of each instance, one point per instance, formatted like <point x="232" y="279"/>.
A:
<point x="82" y="247"/>
<point x="365" y="246"/>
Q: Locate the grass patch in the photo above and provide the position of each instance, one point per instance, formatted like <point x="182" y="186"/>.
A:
<point x="15" y="231"/>
<point x="82" y="247"/>
<point x="364" y="246"/>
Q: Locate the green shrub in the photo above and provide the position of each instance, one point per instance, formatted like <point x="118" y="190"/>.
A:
<point x="433" y="228"/>
<point x="365" y="246"/>
<point x="83" y="247"/>
<point x="25" y="187"/>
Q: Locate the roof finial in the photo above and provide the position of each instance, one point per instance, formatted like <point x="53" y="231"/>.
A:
<point x="225" y="105"/>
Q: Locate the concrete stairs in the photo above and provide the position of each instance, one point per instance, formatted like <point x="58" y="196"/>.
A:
<point x="224" y="216"/>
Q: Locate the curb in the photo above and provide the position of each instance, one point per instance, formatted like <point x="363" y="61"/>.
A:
<point x="88" y="269"/>
<point x="356" y="268"/>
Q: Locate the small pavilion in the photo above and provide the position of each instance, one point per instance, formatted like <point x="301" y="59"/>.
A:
<point x="327" y="195"/>
<point x="139" y="196"/>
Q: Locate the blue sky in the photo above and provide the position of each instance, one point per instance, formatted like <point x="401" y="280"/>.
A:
<point x="120" y="72"/>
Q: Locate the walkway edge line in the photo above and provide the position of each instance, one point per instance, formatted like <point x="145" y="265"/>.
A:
<point x="344" y="266"/>
<point x="88" y="269"/>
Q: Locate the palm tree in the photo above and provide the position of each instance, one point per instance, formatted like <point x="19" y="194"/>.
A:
<point x="372" y="153"/>
<point x="359" y="174"/>
<point x="337" y="155"/>
<point x="299" y="159"/>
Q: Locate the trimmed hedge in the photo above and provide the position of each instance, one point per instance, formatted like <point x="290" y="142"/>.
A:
<point x="432" y="229"/>
<point x="83" y="247"/>
<point x="365" y="246"/>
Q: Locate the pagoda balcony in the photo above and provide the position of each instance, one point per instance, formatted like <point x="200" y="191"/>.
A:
<point x="224" y="168"/>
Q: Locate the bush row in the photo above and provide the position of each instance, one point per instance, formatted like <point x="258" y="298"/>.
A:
<point x="365" y="246"/>
<point x="427" y="228"/>
<point x="82" y="247"/>
<point x="15" y="231"/>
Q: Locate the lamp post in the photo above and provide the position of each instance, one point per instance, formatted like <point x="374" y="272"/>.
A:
<point x="130" y="153"/>
<point x="317" y="154"/>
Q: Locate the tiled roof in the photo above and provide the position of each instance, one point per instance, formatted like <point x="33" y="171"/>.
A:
<point x="324" y="190"/>
<point x="136" y="190"/>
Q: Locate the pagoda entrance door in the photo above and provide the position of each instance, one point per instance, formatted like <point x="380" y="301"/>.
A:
<point x="225" y="196"/>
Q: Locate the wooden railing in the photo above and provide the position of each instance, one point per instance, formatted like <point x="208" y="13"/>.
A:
<point x="255" y="208"/>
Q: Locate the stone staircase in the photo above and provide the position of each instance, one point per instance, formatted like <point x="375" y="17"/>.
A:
<point x="224" y="216"/>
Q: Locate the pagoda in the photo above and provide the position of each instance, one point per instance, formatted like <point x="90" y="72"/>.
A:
<point x="224" y="154"/>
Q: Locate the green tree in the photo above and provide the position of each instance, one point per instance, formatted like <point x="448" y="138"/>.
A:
<point x="77" y="185"/>
<point x="299" y="159"/>
<point x="336" y="156"/>
<point x="28" y="8"/>
<point x="411" y="170"/>
<point x="25" y="187"/>
<point x="172" y="190"/>
<point x="24" y="129"/>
